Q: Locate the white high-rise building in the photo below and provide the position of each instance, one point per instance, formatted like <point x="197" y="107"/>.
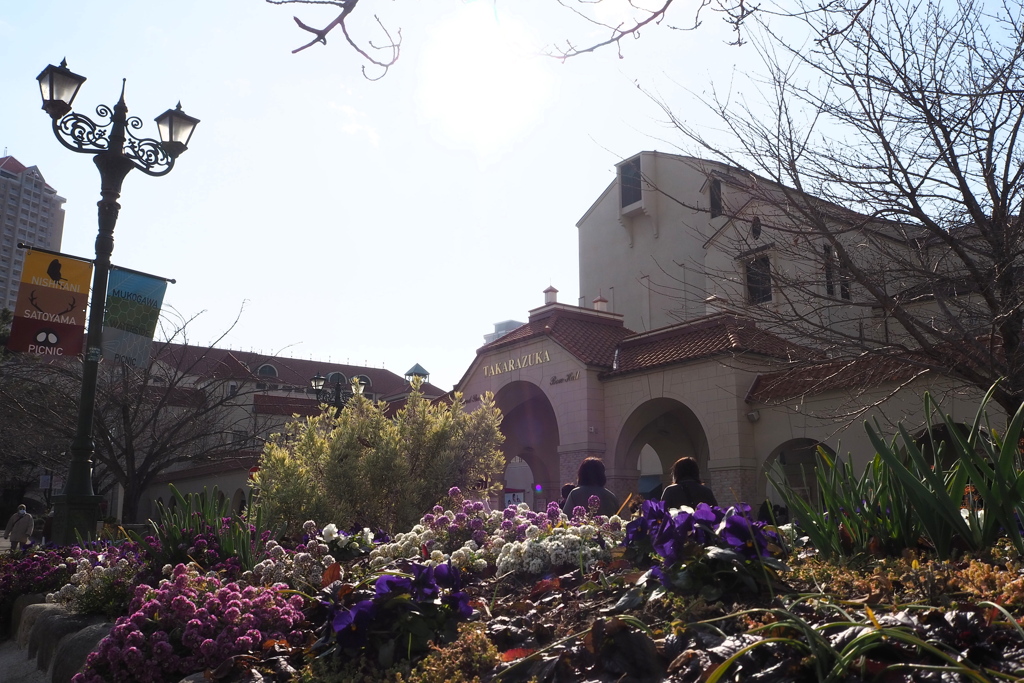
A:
<point x="30" y="212"/>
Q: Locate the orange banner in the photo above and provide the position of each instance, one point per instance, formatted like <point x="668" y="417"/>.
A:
<point x="49" y="318"/>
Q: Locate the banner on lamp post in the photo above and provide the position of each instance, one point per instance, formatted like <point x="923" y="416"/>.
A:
<point x="133" y="309"/>
<point x="49" y="318"/>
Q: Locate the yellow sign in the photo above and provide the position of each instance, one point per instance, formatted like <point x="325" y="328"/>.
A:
<point x="49" y="318"/>
<point x="56" y="272"/>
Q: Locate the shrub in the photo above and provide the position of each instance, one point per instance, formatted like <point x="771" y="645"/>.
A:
<point x="363" y="467"/>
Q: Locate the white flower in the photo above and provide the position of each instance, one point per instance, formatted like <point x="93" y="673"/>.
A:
<point x="330" y="532"/>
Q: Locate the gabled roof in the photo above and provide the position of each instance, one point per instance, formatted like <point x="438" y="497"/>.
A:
<point x="600" y="339"/>
<point x="591" y="336"/>
<point x="713" y="335"/>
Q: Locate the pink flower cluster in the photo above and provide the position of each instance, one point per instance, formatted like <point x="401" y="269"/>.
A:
<point x="189" y="623"/>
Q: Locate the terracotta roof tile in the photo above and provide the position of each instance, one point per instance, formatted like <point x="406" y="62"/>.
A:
<point x="808" y="380"/>
<point x="242" y="460"/>
<point x="588" y="335"/>
<point x="717" y="334"/>
<point x="204" y="361"/>
<point x="267" y="404"/>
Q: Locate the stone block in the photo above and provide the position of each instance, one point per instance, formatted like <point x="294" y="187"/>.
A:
<point x="13" y="618"/>
<point x="47" y="632"/>
<point x="29" y="616"/>
<point x="73" y="650"/>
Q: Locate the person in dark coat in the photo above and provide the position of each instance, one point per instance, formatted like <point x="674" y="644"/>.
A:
<point x="590" y="481"/>
<point x="567" y="488"/>
<point x="687" y="488"/>
<point x="19" y="528"/>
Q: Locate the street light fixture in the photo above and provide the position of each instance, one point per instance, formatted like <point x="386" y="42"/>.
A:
<point x="334" y="396"/>
<point x="116" y="151"/>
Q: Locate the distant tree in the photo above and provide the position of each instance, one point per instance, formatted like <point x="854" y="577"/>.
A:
<point x="365" y="467"/>
<point x="906" y="118"/>
<point x="173" y="411"/>
<point x="26" y="452"/>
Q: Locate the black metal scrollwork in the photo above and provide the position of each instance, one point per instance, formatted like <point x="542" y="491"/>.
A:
<point x="79" y="133"/>
<point x="148" y="155"/>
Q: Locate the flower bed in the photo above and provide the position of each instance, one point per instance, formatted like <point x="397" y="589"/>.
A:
<point x="517" y="594"/>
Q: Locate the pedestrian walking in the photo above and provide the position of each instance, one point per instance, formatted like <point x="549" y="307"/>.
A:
<point x="19" y="529"/>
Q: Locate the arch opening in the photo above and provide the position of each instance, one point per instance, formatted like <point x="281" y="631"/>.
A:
<point x="531" y="438"/>
<point x="655" y="435"/>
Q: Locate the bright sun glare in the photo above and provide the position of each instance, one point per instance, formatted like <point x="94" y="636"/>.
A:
<point x="482" y="84"/>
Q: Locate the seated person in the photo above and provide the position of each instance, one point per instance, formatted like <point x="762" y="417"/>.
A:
<point x="688" y="489"/>
<point x="590" y="481"/>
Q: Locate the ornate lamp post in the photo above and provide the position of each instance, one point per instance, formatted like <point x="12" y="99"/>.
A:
<point x="116" y="151"/>
<point x="334" y="396"/>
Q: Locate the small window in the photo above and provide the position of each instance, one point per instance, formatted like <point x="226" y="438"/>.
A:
<point x="716" y="198"/>
<point x="267" y="370"/>
<point x="755" y="227"/>
<point x="759" y="280"/>
<point x="232" y="389"/>
<point x="336" y="378"/>
<point x="629" y="182"/>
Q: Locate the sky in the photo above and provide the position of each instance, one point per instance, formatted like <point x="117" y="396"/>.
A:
<point x="380" y="223"/>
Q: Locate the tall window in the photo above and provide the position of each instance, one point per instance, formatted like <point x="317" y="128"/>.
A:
<point x="759" y="280"/>
<point x="834" y="273"/>
<point x="716" y="198"/>
<point x="629" y="182"/>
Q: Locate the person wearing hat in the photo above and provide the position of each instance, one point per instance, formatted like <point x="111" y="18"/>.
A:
<point x="19" y="528"/>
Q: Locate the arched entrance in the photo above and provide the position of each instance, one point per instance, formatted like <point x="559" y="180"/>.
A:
<point x="531" y="442"/>
<point x="655" y="435"/>
<point x="238" y="502"/>
<point x="796" y="460"/>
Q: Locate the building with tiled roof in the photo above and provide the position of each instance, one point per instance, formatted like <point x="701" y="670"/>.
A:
<point x="674" y="347"/>
<point x="31" y="212"/>
<point x="270" y="391"/>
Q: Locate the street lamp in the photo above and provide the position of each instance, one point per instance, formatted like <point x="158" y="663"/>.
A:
<point x="116" y="151"/>
<point x="334" y="396"/>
